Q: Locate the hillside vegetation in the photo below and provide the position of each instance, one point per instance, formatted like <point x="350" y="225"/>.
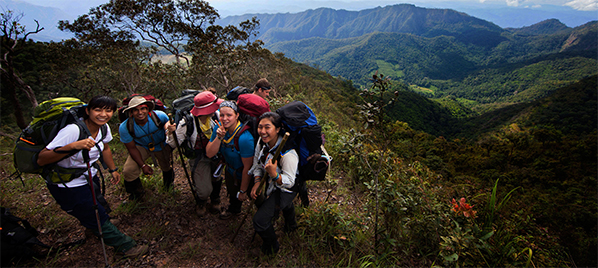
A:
<point x="418" y="177"/>
<point x="451" y="54"/>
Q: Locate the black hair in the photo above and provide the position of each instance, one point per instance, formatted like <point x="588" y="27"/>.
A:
<point x="274" y="118"/>
<point x="102" y="102"/>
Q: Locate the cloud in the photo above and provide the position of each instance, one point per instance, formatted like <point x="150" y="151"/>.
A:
<point x="585" y="5"/>
<point x="512" y="3"/>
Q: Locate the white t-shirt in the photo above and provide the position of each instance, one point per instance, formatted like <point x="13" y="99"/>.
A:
<point x="70" y="134"/>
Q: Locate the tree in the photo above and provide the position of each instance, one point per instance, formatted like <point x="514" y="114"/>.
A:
<point x="186" y="29"/>
<point x="13" y="34"/>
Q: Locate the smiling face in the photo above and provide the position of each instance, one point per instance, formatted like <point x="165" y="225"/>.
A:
<point x="228" y="118"/>
<point x="140" y="113"/>
<point x="268" y="132"/>
<point x="99" y="116"/>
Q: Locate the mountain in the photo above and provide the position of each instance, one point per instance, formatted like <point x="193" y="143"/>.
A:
<point x="550" y="26"/>
<point x="47" y="17"/>
<point x="464" y="59"/>
<point x="339" y="24"/>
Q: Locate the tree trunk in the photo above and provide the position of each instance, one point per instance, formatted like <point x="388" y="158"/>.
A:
<point x="18" y="111"/>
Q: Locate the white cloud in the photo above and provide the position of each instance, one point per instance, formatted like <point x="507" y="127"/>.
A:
<point x="512" y="3"/>
<point x="585" y="5"/>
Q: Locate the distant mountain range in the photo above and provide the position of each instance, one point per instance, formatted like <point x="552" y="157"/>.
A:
<point x="338" y="24"/>
<point x="414" y="43"/>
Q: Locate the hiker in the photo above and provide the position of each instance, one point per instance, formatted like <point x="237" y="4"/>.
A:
<point x="262" y="88"/>
<point x="75" y="196"/>
<point x="202" y="167"/>
<point x="237" y="153"/>
<point x="147" y="140"/>
<point x="282" y="177"/>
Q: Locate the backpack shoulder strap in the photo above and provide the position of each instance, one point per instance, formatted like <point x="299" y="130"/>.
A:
<point x="156" y="120"/>
<point x="236" y="138"/>
<point x="131" y="127"/>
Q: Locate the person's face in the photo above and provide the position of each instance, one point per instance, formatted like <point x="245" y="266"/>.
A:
<point x="228" y="117"/>
<point x="140" y="112"/>
<point x="267" y="131"/>
<point x="100" y="116"/>
<point x="204" y="118"/>
<point x="264" y="93"/>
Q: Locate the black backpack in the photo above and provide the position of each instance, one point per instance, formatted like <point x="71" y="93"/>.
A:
<point x="18" y="239"/>
<point x="234" y="93"/>
<point x="306" y="138"/>
<point x="181" y="108"/>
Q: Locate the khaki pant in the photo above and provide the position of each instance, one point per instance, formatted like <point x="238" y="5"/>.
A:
<point x="202" y="177"/>
<point x="132" y="171"/>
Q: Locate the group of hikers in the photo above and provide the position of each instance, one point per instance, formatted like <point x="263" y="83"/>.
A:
<point x="218" y="140"/>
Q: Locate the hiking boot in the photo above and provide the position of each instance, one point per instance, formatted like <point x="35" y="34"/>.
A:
<point x="135" y="251"/>
<point x="225" y="215"/>
<point x="168" y="179"/>
<point x="214" y="208"/>
<point x="200" y="210"/>
<point x="115" y="221"/>
<point x="135" y="189"/>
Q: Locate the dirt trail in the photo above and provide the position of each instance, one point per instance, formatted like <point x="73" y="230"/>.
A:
<point x="175" y="234"/>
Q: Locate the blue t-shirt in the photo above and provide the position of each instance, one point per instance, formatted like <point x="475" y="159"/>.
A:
<point x="141" y="132"/>
<point x="232" y="157"/>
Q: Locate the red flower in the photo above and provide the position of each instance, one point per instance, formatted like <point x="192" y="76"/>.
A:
<point x="463" y="207"/>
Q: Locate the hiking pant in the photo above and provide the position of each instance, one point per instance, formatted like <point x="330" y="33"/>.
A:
<point x="233" y="185"/>
<point x="202" y="176"/>
<point x="132" y="171"/>
<point x="78" y="202"/>
<point x="263" y="218"/>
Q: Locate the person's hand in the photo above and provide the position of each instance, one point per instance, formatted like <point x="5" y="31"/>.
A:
<point x="271" y="168"/>
<point x="115" y="177"/>
<point x="255" y="191"/>
<point x="147" y="170"/>
<point x="84" y="144"/>
<point x="171" y="128"/>
<point x="242" y="196"/>
<point x="221" y="131"/>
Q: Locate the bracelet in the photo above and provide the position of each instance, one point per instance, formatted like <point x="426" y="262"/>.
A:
<point x="113" y="170"/>
<point x="241" y="191"/>
<point x="277" y="175"/>
<point x="144" y="165"/>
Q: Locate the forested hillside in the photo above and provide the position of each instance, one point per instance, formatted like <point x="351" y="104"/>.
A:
<point x="454" y="153"/>
<point x="440" y="53"/>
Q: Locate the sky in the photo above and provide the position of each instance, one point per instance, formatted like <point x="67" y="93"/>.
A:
<point x="238" y="7"/>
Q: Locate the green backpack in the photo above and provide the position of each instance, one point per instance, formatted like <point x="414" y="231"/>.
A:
<point x="49" y="118"/>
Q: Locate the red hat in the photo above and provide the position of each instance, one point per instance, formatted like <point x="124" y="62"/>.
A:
<point x="205" y="103"/>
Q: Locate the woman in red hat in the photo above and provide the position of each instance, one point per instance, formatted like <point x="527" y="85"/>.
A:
<point x="202" y="167"/>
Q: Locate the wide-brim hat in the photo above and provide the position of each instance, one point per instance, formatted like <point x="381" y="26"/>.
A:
<point x="139" y="100"/>
<point x="205" y="103"/>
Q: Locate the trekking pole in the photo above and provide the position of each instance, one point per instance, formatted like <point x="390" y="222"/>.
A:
<point x="261" y="188"/>
<point x="191" y="185"/>
<point x="85" y="154"/>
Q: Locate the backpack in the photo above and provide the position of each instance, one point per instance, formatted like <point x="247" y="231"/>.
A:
<point x="122" y="115"/>
<point x="251" y="107"/>
<point x="306" y="138"/>
<point x="181" y="108"/>
<point x="234" y="93"/>
<point x="48" y="118"/>
<point x="18" y="239"/>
